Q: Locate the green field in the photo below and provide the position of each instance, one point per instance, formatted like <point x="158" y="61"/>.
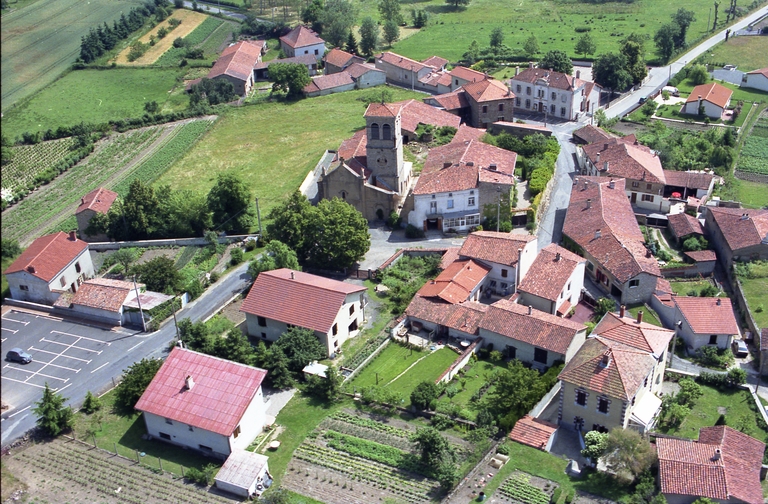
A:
<point x="428" y="369"/>
<point x="272" y="146"/>
<point x="392" y="361"/>
<point x="41" y="39"/>
<point x="750" y="194"/>
<point x="196" y="39"/>
<point x="756" y="292"/>
<point x="96" y="96"/>
<point x="754" y="154"/>
<point x="747" y="53"/>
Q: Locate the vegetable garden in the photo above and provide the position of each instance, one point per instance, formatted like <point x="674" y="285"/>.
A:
<point x="754" y="154"/>
<point x="30" y="160"/>
<point x="518" y="489"/>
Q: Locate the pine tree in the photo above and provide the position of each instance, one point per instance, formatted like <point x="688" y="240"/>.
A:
<point x="351" y="46"/>
<point x="91" y="403"/>
<point x="53" y="416"/>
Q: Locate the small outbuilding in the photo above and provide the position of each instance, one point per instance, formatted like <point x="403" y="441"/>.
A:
<point x="314" y="368"/>
<point x="244" y="474"/>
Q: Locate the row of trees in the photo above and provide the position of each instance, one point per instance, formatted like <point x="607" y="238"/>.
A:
<point x="670" y="37"/>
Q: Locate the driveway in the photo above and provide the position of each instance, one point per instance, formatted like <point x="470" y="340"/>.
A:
<point x="384" y="243"/>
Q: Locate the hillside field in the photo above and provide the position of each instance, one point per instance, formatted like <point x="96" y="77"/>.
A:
<point x="40" y="40"/>
<point x="189" y="21"/>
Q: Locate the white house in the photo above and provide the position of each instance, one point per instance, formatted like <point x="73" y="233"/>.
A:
<point x="756" y="79"/>
<point x="713" y="97"/>
<point x="705" y="321"/>
<point x="554" y="281"/>
<point x="284" y="298"/>
<point x="557" y="94"/>
<point x="245" y="474"/>
<point x="51" y="265"/>
<point x="301" y="40"/>
<point x="205" y="403"/>
<point x="509" y="257"/>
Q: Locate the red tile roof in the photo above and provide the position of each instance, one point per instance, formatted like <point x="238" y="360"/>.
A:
<point x="305" y="300"/>
<point x="591" y="134"/>
<point x="714" y="93"/>
<point x="401" y="61"/>
<point x="761" y="71"/>
<point x="217" y="401"/>
<point x="382" y="110"/>
<point x="644" y="336"/>
<point x="539" y="329"/>
<point x="238" y="60"/>
<point x="357" y="70"/>
<point x="450" y="101"/>
<point x="99" y="200"/>
<point x="682" y="225"/>
<point x="330" y="81"/>
<point x="740" y="231"/>
<point x="467" y="74"/>
<point x="487" y="90"/>
<point x="620" y="246"/>
<point x="490" y="246"/>
<point x="47" y="256"/>
<point x="414" y="112"/>
<point x="464" y="317"/>
<point x="702" y="255"/>
<point x="708" y="315"/>
<point x="626" y="159"/>
<point x="451" y="254"/>
<point x="434" y="79"/>
<point x="625" y="373"/>
<point x="550" y="272"/>
<point x="724" y="464"/>
<point x="102" y="297"/>
<point x="435" y="62"/>
<point x="533" y="432"/>
<point x="301" y="36"/>
<point x="691" y="180"/>
<point x="552" y="79"/>
<point x="466" y="133"/>
<point x="456" y="282"/>
<point x="341" y="59"/>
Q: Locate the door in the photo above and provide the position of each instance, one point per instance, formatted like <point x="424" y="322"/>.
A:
<point x="633" y="199"/>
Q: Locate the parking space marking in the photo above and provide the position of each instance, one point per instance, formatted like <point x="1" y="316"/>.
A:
<point x="56" y="365"/>
<point x="81" y="337"/>
<point x="38" y="373"/>
<point x="14" y="331"/>
<point x="13" y="415"/>
<point x="25" y="322"/>
<point x="70" y="345"/>
<point x="54" y="353"/>
<point x="99" y="367"/>
<point x="25" y="382"/>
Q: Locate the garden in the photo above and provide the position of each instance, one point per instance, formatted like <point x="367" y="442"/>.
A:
<point x="754" y="154"/>
<point x="194" y="40"/>
<point x="186" y="22"/>
<point x="29" y="161"/>
<point x="753" y="277"/>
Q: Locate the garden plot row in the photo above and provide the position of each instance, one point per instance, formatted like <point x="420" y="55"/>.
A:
<point x="371" y="424"/>
<point x="31" y="160"/>
<point x="754" y="154"/>
<point x="351" y="429"/>
<point x="517" y="488"/>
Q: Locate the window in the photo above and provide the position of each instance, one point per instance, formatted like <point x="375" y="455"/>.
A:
<point x="263" y="335"/>
<point x="511" y="351"/>
<point x="528" y="90"/>
<point x="501" y="107"/>
<point x="315" y="52"/>
<point x="493" y="283"/>
<point x="648" y="197"/>
<point x="634" y="283"/>
<point x="519" y="88"/>
<point x="335" y="329"/>
<point x="457" y="82"/>
<point x="602" y="405"/>
<point x="552" y="108"/>
<point x="562" y="111"/>
<point x="375" y="131"/>
<point x="713" y="339"/>
<point x="24" y="287"/>
<point x="540" y="94"/>
<point x="386" y="132"/>
<point x="169" y="421"/>
<point x="191" y="429"/>
<point x="569" y="286"/>
<point x="77" y="267"/>
<point x="590" y="266"/>
<point x="635" y="184"/>
<point x="504" y="285"/>
<point x="205" y="448"/>
<point x="236" y="431"/>
<point x="262" y="321"/>
<point x="578" y="423"/>
<point x="648" y="187"/>
<point x="540" y="355"/>
<point x="63" y="281"/>
<point x="527" y="103"/>
<point x="163" y="435"/>
<point x="471" y="201"/>
<point x="433" y="207"/>
<point x="343" y="195"/>
<point x="450" y="203"/>
<point x="563" y="98"/>
<point x="504" y="273"/>
<point x="581" y="398"/>
<point x="554" y="95"/>
<point x="645" y="383"/>
<point x="485" y="109"/>
<point x="517" y="101"/>
<point x="351" y="309"/>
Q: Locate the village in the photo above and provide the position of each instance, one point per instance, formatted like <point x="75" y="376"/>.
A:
<point x="493" y="291"/>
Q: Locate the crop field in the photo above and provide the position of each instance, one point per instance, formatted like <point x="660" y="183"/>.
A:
<point x="271" y="146"/>
<point x="754" y="154"/>
<point x="172" y="56"/>
<point x="30" y="160"/>
<point x="96" y="96"/>
<point x="41" y="40"/>
<point x="190" y="20"/>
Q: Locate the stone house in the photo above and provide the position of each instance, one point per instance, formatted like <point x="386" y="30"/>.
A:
<point x="336" y="61"/>
<point x="301" y="41"/>
<point x="554" y="281"/>
<point x="98" y="201"/>
<point x="557" y="94"/>
<point x="509" y="257"/>
<point x="682" y="226"/>
<point x="236" y="64"/>
<point x="355" y="76"/>
<point x="205" y="403"/>
<point x="600" y="226"/>
<point x="479" y="103"/>
<point x="415" y="112"/>
<point x="99" y="299"/>
<point x="713" y="97"/>
<point x="51" y="265"/>
<point x="689" y="184"/>
<point x="448" y="320"/>
<point x="705" y="321"/>
<point x="737" y="234"/>
<point x="281" y="299"/>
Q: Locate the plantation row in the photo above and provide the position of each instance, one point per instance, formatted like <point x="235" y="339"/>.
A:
<point x="367" y="433"/>
<point x="515" y="487"/>
<point x="30" y="160"/>
<point x="754" y="154"/>
<point x="377" y="452"/>
<point x="355" y="360"/>
<point x="173" y="55"/>
<point x="372" y="424"/>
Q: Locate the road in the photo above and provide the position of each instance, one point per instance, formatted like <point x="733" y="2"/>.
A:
<point x="213" y="9"/>
<point x="658" y="77"/>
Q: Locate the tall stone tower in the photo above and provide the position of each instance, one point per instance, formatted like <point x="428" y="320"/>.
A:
<point x="384" y="149"/>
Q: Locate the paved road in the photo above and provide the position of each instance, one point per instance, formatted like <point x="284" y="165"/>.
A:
<point x="659" y="76"/>
<point x="213" y="9"/>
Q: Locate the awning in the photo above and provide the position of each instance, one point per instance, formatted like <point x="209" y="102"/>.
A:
<point x="564" y="308"/>
<point x="457" y="215"/>
<point x="646" y="409"/>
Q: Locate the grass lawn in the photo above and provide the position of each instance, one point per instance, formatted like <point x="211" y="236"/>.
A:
<point x="690" y="287"/>
<point x="750" y="194"/>
<point x="272" y="146"/>
<point x="739" y="93"/>
<point x="747" y="53"/>
<point x="705" y="413"/>
<point x="428" y="369"/>
<point x="756" y="292"/>
<point x="649" y="315"/>
<point x="96" y="96"/>
<point x="392" y="361"/>
<point x="42" y="39"/>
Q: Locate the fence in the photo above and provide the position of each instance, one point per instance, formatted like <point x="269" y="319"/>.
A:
<point x="460" y="362"/>
<point x="368" y="359"/>
<point x="174" y="242"/>
<point x="701" y="268"/>
<point x="412" y="252"/>
<point x="544" y="402"/>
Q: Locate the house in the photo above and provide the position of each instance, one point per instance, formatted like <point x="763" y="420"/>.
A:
<point x="600" y="226"/>
<point x="205" y="403"/>
<point x="688" y="183"/>
<point x="554" y="93"/>
<point x="283" y="298"/>
<point x="244" y="473"/>
<point x="366" y="75"/>
<point x="531" y="336"/>
<point x="626" y="158"/>
<point x="737" y="234"/>
<point x="300" y="41"/>
<point x="705" y="321"/>
<point x="756" y="79"/>
<point x="455" y="103"/>
<point x="98" y="201"/>
<point x="709" y="100"/>
<point x="554" y="281"/>
<point x="462" y="75"/>
<point x="336" y="61"/>
<point x="236" y="64"/>
<point x="52" y="264"/>
<point x="591" y="134"/>
<point x="261" y="69"/>
<point x="457" y="181"/>
<point x="533" y="432"/>
<point x="99" y="299"/>
<point x="682" y="226"/>
<point x="424" y="76"/>
<point x="508" y="255"/>
<point x="614" y="379"/>
<point x="460" y="281"/>
<point x="479" y="103"/>
<point x="328" y="84"/>
<point x="722" y="465"/>
<point x="370" y="173"/>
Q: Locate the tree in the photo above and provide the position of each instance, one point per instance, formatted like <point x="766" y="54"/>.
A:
<point x="9" y="248"/>
<point x="698" y="74"/>
<point x="300" y="346"/>
<point x="135" y="381"/>
<point x="312" y="14"/>
<point x="423" y="395"/>
<point x="337" y="18"/>
<point x="91" y="403"/>
<point x="457" y="3"/>
<point x="595" y="443"/>
<point x="675" y="413"/>
<point x="351" y="45"/>
<point x="585" y="45"/>
<point x="447" y="474"/>
<point x="714" y="24"/>
<point x="53" y="417"/>
<point x="531" y="47"/>
<point x="435" y="449"/>
<point x="557" y="61"/>
<point x="683" y="18"/>
<point x="229" y="200"/>
<point x="140" y="216"/>
<point x="609" y="70"/>
<point x="391" y="33"/>
<point x="665" y="39"/>
<point x="369" y="36"/>
<point x="212" y="91"/>
<point x="339" y="234"/>
<point x="628" y="454"/>
<point x="277" y="255"/>
<point x="234" y="347"/>
<point x="160" y="275"/>
<point x="276" y="364"/>
<point x="604" y="305"/>
<point x="290" y="78"/>
<point x="390" y="11"/>
<point x="288" y="223"/>
<point x="125" y="257"/>
<point x="516" y="391"/>
<point x="497" y="37"/>
<point x="328" y="387"/>
<point x="633" y="49"/>
<point x="472" y="54"/>
<point x="689" y="392"/>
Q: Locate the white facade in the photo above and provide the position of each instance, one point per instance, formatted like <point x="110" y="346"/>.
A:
<point x="755" y="81"/>
<point x="571" y="292"/>
<point x="25" y="286"/>
<point x="710" y="109"/>
<point x="459" y="210"/>
<point x="317" y="50"/>
<point x="557" y="103"/>
<point x="525" y="352"/>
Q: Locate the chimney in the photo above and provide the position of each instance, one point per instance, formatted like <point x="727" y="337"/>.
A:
<point x="719" y="301"/>
<point x="611" y="184"/>
<point x="598" y="158"/>
<point x="492" y="167"/>
<point x="605" y="166"/>
<point x="557" y="257"/>
<point x="575" y="180"/>
<point x="744" y="216"/>
<point x="716" y="456"/>
<point x="293" y="275"/>
<point x="589" y="202"/>
<point x="517" y="70"/>
<point x="598" y="234"/>
<point x="530" y="309"/>
<point x="698" y="104"/>
<point x="606" y="360"/>
<point x="639" y="316"/>
<point x="648" y="253"/>
<point x="189" y="382"/>
<point x="586" y="184"/>
<point x="82" y="201"/>
<point x="622" y="311"/>
<point x="31" y="269"/>
<point x="578" y="74"/>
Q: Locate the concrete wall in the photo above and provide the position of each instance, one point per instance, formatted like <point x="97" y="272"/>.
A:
<point x="616" y="416"/>
<point x="182" y="435"/>
<point x="755" y="81"/>
<point x="370" y="79"/>
<point x="241" y="86"/>
<point x="460" y="362"/>
<point x="486" y="113"/>
<point x="97" y="314"/>
<point x="252" y="422"/>
<point x="461" y="205"/>
<point x="337" y="89"/>
<point x="173" y="242"/>
<point x="568" y="100"/>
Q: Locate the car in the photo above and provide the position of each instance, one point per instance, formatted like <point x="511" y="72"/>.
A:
<point x="18" y="355"/>
<point x="739" y="348"/>
<point x="729" y="67"/>
<point x="643" y="99"/>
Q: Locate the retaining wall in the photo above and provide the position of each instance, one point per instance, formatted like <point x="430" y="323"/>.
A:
<point x="460" y="362"/>
<point x="173" y="242"/>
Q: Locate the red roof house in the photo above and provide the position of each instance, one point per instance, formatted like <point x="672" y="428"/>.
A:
<point x="534" y="432"/>
<point x="236" y="64"/>
<point x="706" y="321"/>
<point x="301" y="40"/>
<point x="713" y="97"/>
<point x="337" y="60"/>
<point x="554" y="281"/>
<point x="737" y="234"/>
<point x="98" y="201"/>
<point x="457" y="283"/>
<point x="205" y="403"/>
<point x="508" y="255"/>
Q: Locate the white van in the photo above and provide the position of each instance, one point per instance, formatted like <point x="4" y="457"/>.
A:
<point x="671" y="90"/>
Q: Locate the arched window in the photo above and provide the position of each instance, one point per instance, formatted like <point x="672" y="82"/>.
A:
<point x="386" y="132"/>
<point x="375" y="131"/>
<point x="343" y="195"/>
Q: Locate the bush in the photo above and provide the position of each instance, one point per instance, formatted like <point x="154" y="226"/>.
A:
<point x="711" y="356"/>
<point x="214" y="277"/>
<point x="178" y="42"/>
<point x="236" y="256"/>
<point x="556" y="495"/>
<point x="502" y="449"/>
<point x="413" y="232"/>
<point x="204" y="477"/>
<point x="91" y="403"/>
<point x="441" y="422"/>
<point x="250" y="245"/>
<point x="569" y="496"/>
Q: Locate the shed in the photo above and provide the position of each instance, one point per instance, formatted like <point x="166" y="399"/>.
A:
<point x="244" y="474"/>
<point x="315" y="369"/>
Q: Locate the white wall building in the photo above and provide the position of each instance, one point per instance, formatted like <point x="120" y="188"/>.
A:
<point x="756" y="79"/>
<point x="557" y="94"/>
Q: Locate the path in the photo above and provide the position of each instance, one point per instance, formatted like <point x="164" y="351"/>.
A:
<point x="408" y="368"/>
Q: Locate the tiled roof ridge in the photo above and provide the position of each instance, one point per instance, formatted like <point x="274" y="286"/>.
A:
<point x="309" y="284"/>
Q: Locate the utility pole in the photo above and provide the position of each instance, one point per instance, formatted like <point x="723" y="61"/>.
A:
<point x="174" y="321"/>
<point x="258" y="215"/>
<point x="138" y="300"/>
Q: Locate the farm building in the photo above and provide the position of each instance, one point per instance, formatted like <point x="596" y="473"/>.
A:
<point x="300" y="41"/>
<point x="337" y="61"/>
<point x="737" y="234"/>
<point x="236" y="64"/>
<point x="711" y="99"/>
<point x="98" y="201"/>
<point x="51" y="265"/>
<point x="244" y="474"/>
<point x="99" y="299"/>
<point x="205" y="403"/>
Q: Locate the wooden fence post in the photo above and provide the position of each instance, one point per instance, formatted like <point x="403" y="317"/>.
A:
<point x="94" y="440"/>
<point x="116" y="449"/>
<point x="160" y="462"/>
<point x="182" y="470"/>
<point x="138" y="460"/>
